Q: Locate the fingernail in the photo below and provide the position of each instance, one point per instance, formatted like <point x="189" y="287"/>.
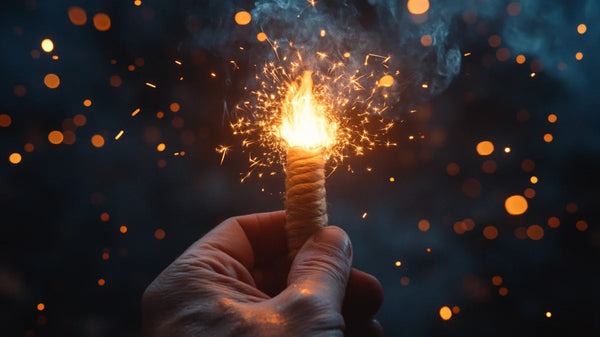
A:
<point x="336" y="237"/>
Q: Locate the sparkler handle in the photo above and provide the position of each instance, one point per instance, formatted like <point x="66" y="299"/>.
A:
<point x="306" y="205"/>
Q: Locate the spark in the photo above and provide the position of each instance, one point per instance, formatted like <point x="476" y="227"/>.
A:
<point x="150" y="85"/>
<point x="467" y="54"/>
<point x="222" y="149"/>
<point x="135" y="112"/>
<point x="119" y="135"/>
<point x="177" y="62"/>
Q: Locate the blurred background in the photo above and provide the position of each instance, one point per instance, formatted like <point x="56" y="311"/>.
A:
<point x="483" y="220"/>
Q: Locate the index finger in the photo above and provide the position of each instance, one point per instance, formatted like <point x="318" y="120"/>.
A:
<point x="266" y="234"/>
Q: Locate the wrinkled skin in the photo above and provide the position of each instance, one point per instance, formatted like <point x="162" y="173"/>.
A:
<point x="239" y="281"/>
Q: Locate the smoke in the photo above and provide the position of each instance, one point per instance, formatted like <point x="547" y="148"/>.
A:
<point x="385" y="27"/>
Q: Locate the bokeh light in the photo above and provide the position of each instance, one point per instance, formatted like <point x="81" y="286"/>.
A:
<point x="159" y="234"/>
<point x="553" y="222"/>
<point x="261" y="37"/>
<point x="15" y="158"/>
<point x="535" y="232"/>
<point x="581" y="225"/>
<point x="47" y="45"/>
<point x="485" y="148"/>
<point x="490" y="232"/>
<point x="102" y="22"/>
<point x="424" y="225"/>
<point x="579" y="56"/>
<point x="242" y="18"/>
<point x="581" y="28"/>
<point x="77" y="16"/>
<point x="52" y="81"/>
<point x="445" y="313"/>
<point x="418" y="7"/>
<point x="5" y="120"/>
<point x="516" y="205"/>
<point x="97" y="141"/>
<point x="55" y="137"/>
<point x="386" y="81"/>
<point x="426" y="40"/>
<point x="513" y="8"/>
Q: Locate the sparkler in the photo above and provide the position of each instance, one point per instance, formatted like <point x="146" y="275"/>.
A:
<point x="310" y="116"/>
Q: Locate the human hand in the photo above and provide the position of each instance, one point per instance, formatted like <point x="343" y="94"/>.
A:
<point x="238" y="280"/>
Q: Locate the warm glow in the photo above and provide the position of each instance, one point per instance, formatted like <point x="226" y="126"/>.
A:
<point x="424" y="225"/>
<point x="398" y="263"/>
<point x="507" y="150"/>
<point x="77" y="16"/>
<point x="47" y="45"/>
<point x="41" y="306"/>
<point x="417" y="6"/>
<point x="101" y="22"/>
<point x="55" y="137"/>
<point x="15" y="158"/>
<point x="52" y="81"/>
<point x="445" y="313"/>
<point x="97" y="141"/>
<point x="485" y="148"/>
<point x="386" y="81"/>
<point x="243" y="18"/>
<point x="516" y="205"/>
<point x="303" y="121"/>
<point x="548" y="314"/>
<point x="581" y="28"/>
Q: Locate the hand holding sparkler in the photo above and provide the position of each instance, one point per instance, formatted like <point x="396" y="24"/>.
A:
<point x="238" y="280"/>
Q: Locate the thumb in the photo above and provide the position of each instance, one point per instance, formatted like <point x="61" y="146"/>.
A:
<point x="323" y="264"/>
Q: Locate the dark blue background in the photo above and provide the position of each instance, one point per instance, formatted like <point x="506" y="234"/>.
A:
<point x="52" y="237"/>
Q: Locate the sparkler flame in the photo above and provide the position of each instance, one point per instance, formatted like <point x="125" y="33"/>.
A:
<point x="303" y="122"/>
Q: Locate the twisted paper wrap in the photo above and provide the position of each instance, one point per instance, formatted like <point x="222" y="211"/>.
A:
<point x="305" y="202"/>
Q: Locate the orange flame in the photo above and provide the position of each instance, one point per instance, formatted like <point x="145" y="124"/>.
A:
<point x="303" y="120"/>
